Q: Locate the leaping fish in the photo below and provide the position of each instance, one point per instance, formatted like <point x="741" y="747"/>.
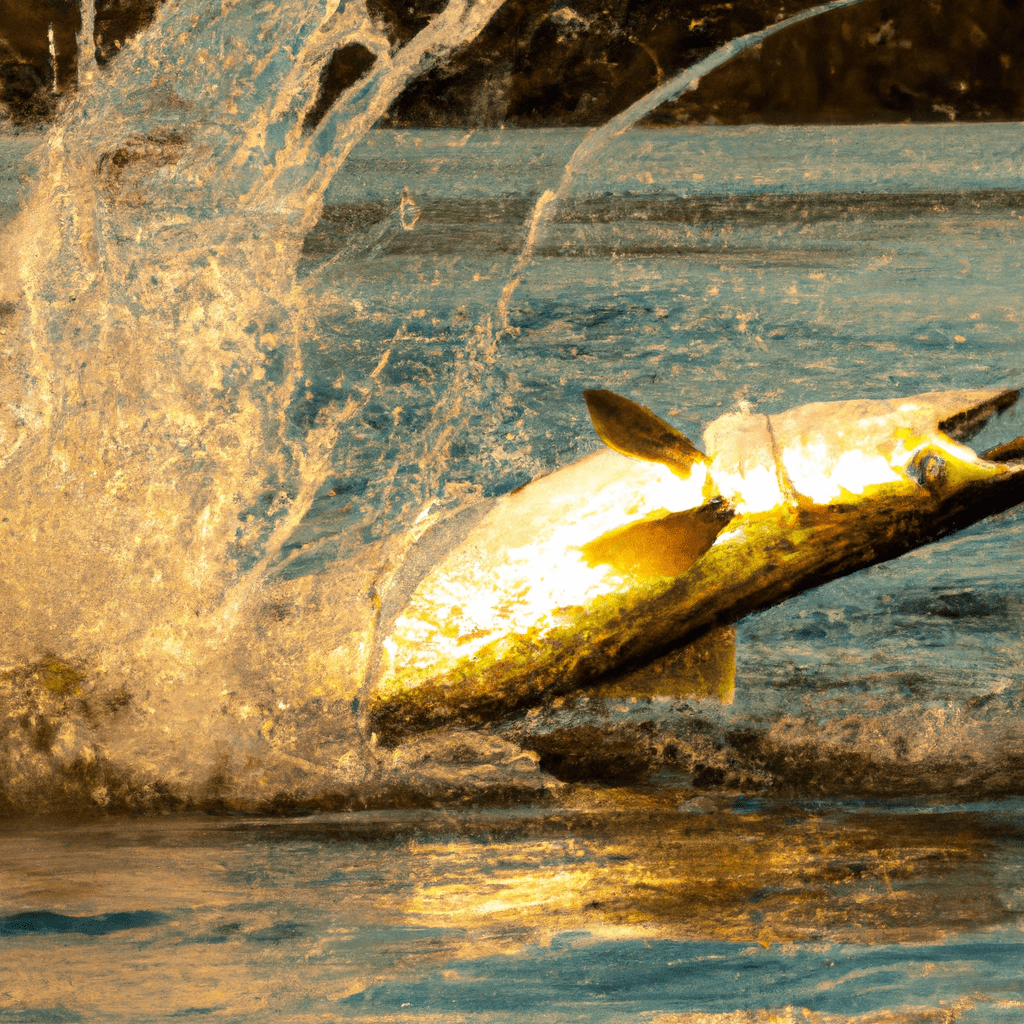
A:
<point x="645" y="546"/>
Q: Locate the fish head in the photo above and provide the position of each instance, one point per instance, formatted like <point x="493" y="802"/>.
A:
<point x="829" y="453"/>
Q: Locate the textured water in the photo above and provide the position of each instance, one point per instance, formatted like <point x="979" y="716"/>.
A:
<point x="689" y="270"/>
<point x="606" y="911"/>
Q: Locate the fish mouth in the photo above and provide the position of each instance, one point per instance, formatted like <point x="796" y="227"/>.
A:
<point x="1009" y="451"/>
<point x="1012" y="451"/>
<point x="977" y="409"/>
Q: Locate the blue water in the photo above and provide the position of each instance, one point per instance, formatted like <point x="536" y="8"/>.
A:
<point x="577" y="978"/>
<point x="688" y="270"/>
<point x="594" y="914"/>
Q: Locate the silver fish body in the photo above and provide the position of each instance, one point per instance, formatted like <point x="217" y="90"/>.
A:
<point x="613" y="561"/>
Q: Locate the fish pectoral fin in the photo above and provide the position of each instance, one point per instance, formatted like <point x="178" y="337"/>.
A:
<point x="663" y="546"/>
<point x="633" y="429"/>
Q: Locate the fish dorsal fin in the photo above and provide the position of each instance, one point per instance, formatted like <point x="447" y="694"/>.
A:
<point x="634" y="430"/>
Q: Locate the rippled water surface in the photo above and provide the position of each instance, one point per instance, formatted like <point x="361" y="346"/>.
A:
<point x="688" y="270"/>
<point x="622" y="907"/>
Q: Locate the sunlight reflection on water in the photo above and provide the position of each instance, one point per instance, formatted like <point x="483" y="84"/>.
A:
<point x="618" y="905"/>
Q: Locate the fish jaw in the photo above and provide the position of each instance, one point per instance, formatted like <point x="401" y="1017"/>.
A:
<point x="515" y="643"/>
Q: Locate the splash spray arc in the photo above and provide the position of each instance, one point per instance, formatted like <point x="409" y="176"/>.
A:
<point x="152" y="470"/>
<point x="547" y="204"/>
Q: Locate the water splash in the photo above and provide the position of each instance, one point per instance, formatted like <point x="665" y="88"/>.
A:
<point x="155" y="472"/>
<point x="689" y="78"/>
<point x="152" y="469"/>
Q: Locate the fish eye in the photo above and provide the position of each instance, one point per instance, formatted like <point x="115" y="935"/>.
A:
<point x="928" y="469"/>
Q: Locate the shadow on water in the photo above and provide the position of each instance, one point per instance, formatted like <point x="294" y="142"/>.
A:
<point x="45" y="922"/>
